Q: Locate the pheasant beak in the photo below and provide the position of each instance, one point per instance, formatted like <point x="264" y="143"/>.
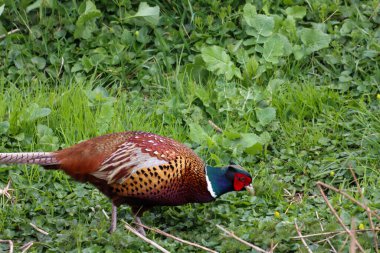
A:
<point x="250" y="189"/>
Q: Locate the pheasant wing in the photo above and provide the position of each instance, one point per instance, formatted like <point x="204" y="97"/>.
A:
<point x="141" y="150"/>
<point x="125" y="161"/>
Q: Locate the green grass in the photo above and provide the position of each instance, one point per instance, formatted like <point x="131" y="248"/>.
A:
<point x="290" y="118"/>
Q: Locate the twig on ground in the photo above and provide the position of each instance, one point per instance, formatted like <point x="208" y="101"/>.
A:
<point x="60" y="68"/>
<point x="184" y="28"/>
<point x="293" y="198"/>
<point x="353" y="237"/>
<point x="10" y="244"/>
<point x="26" y="246"/>
<point x="39" y="229"/>
<point x="327" y="239"/>
<point x="324" y="21"/>
<point x="154" y="244"/>
<point x="218" y="129"/>
<point x="272" y="247"/>
<point x="349" y="232"/>
<point x="330" y="237"/>
<point x="319" y="183"/>
<point x="105" y="214"/>
<point x="356" y="182"/>
<point x="373" y="229"/>
<point x="344" y="243"/>
<point x="302" y="238"/>
<point x="332" y="233"/>
<point x="9" y="33"/>
<point x="231" y="234"/>
<point x="178" y="239"/>
<point x="372" y="226"/>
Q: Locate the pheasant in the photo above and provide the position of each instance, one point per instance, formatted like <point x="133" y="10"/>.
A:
<point x="141" y="170"/>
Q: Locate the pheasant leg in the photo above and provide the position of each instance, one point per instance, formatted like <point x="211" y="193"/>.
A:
<point x="113" y="219"/>
<point x="139" y="228"/>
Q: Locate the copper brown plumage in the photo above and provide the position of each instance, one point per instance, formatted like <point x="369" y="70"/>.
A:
<point x="139" y="169"/>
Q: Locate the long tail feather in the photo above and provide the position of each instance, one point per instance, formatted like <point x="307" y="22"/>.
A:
<point x="41" y="158"/>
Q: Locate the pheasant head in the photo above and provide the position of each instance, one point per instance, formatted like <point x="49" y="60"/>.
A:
<point x="221" y="180"/>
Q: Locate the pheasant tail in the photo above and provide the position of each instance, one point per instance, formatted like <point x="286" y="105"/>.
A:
<point x="41" y="158"/>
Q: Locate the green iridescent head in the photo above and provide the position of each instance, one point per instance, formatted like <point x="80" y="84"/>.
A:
<point x="227" y="179"/>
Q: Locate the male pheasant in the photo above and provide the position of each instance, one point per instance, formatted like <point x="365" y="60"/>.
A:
<point x="140" y="169"/>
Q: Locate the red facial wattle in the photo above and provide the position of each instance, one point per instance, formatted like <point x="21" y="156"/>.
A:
<point x="240" y="181"/>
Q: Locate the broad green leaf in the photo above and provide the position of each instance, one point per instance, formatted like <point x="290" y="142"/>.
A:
<point x="255" y="149"/>
<point x="248" y="140"/>
<point x="2" y="9"/>
<point x="197" y="134"/>
<point x="265" y="115"/>
<point x="98" y="55"/>
<point x="203" y="95"/>
<point x="35" y="5"/>
<point x="85" y="23"/>
<point x="249" y="13"/>
<point x="49" y="142"/>
<point x="370" y="53"/>
<point x="251" y="66"/>
<point x="104" y="118"/>
<point x="143" y="36"/>
<point x="4" y="126"/>
<point x="289" y="27"/>
<point x="241" y="56"/>
<point x="324" y="141"/>
<point x="347" y="27"/>
<point x="197" y="69"/>
<point x="35" y="112"/>
<point x="215" y="158"/>
<point x="250" y="143"/>
<point x="100" y="95"/>
<point x="19" y="137"/>
<point x="273" y="84"/>
<point x="346" y="217"/>
<point x="76" y="67"/>
<point x="87" y="64"/>
<point x="314" y="39"/>
<point x="236" y="71"/>
<point x="231" y="135"/>
<point x="44" y="130"/>
<point x="263" y="24"/>
<point x="265" y="138"/>
<point x="19" y="62"/>
<point x="41" y="3"/>
<point x="39" y="62"/>
<point x="218" y="61"/>
<point x="150" y="14"/>
<point x="39" y="113"/>
<point x="299" y="52"/>
<point x="47" y="138"/>
<point x="274" y="48"/>
<point x="288" y="48"/>
<point x="296" y="11"/>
